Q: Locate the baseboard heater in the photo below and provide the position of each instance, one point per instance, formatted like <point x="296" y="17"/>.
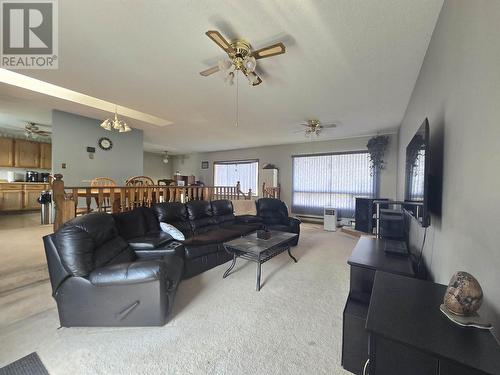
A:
<point x="319" y="219"/>
<point x="310" y="218"/>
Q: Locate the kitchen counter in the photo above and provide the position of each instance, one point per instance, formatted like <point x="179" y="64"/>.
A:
<point x="21" y="196"/>
<point x="23" y="183"/>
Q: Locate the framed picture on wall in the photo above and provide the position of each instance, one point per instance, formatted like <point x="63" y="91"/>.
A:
<point x="204" y="165"/>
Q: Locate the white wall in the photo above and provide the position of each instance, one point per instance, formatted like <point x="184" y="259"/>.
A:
<point x="155" y="168"/>
<point x="281" y="156"/>
<point x="71" y="134"/>
<point x="458" y="89"/>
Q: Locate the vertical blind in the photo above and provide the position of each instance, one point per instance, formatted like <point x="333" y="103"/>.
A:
<point x="228" y="173"/>
<point x="331" y="180"/>
<point x="416" y="178"/>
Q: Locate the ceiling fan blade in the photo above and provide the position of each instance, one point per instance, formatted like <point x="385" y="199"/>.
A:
<point x="219" y="40"/>
<point x="273" y="50"/>
<point x="258" y="82"/>
<point x="328" y="126"/>
<point x="209" y="71"/>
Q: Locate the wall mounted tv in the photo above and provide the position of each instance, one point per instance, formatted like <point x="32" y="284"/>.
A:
<point x="417" y="175"/>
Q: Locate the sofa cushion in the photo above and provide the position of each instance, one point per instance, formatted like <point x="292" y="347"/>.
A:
<point x="151" y="221"/>
<point x="130" y="224"/>
<point x="174" y="213"/>
<point x="242" y="229"/>
<point x="172" y="231"/>
<point x="200" y="216"/>
<point x="90" y="241"/>
<point x="193" y="252"/>
<point x="128" y="273"/>
<point x="150" y="241"/>
<point x="212" y="237"/>
<point x="222" y="211"/>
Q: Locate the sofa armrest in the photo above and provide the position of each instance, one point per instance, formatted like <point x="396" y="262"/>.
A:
<point x="248" y="219"/>
<point x="170" y="249"/>
<point x="294" y="224"/>
<point x="128" y="273"/>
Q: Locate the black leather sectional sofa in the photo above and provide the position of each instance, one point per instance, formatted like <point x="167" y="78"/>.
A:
<point x="122" y="270"/>
<point x="206" y="226"/>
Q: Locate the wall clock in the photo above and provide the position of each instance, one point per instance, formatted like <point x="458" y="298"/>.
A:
<point x="105" y="143"/>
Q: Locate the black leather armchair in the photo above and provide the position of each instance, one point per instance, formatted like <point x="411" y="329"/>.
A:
<point x="274" y="214"/>
<point x="97" y="279"/>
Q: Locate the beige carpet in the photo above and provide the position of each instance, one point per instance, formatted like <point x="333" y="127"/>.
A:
<point x="292" y="326"/>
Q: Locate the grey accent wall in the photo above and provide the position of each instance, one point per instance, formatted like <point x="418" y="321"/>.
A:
<point x="281" y="156"/>
<point x="71" y="134"/>
<point x="458" y="89"/>
<point x="155" y="168"/>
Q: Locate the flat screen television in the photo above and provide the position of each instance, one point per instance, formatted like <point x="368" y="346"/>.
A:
<point x="417" y="175"/>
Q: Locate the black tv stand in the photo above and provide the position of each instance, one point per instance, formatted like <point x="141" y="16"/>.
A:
<point x="390" y="321"/>
<point x="368" y="256"/>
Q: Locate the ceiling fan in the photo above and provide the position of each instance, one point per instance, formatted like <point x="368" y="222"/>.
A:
<point x="241" y="57"/>
<point x="314" y="127"/>
<point x="32" y="130"/>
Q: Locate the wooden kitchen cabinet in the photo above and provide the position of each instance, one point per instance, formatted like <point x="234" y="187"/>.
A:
<point x="31" y="194"/>
<point x="6" y="152"/>
<point x="45" y="155"/>
<point x="27" y="154"/>
<point x="11" y="199"/>
<point x="19" y="196"/>
<point x="20" y="153"/>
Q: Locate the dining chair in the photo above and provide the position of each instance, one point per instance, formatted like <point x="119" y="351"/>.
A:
<point x="139" y="181"/>
<point x="99" y="182"/>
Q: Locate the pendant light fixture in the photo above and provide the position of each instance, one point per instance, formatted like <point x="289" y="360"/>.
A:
<point x="111" y="124"/>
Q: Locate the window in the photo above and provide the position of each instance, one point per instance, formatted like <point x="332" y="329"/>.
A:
<point x="331" y="180"/>
<point x="228" y="173"/>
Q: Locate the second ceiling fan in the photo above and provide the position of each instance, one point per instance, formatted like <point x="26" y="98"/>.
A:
<point x="241" y="57"/>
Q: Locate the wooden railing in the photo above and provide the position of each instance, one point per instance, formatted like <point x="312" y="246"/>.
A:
<point x="271" y="191"/>
<point x="72" y="201"/>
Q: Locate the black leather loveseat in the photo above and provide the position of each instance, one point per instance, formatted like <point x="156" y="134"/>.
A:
<point x="274" y="215"/>
<point x="206" y="226"/>
<point x="98" y="280"/>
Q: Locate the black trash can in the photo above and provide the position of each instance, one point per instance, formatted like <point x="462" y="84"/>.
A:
<point x="45" y="200"/>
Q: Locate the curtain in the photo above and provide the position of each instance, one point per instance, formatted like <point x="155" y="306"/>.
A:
<point x="228" y="173"/>
<point x="333" y="180"/>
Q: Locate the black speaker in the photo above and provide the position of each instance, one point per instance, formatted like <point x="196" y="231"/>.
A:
<point x="365" y="212"/>
<point x="364" y="215"/>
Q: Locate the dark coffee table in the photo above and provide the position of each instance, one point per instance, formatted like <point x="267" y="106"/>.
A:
<point x="259" y="250"/>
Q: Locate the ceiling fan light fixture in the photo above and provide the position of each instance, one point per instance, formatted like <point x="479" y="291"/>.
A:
<point x="165" y="157"/>
<point x="249" y="63"/>
<point x="225" y="65"/>
<point x="252" y="78"/>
